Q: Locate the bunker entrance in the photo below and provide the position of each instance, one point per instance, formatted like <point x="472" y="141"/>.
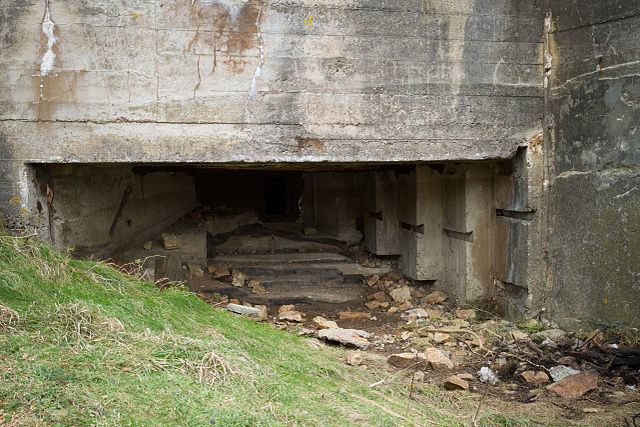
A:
<point x="298" y="234"/>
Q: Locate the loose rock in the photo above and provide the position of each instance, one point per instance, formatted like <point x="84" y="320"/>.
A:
<point x="148" y="245"/>
<point x="238" y="278"/>
<point x="371" y="281"/>
<point x="309" y="231"/>
<point x="466" y="314"/>
<point x="256" y="288"/>
<point x="401" y="295"/>
<point x="372" y="305"/>
<point x="418" y="377"/>
<point x="403" y="360"/>
<point x="354" y="337"/>
<point x="171" y="241"/>
<point x="243" y="309"/>
<point x="264" y="311"/>
<point x="437" y="359"/>
<point x="354" y="358"/>
<point x="561" y="371"/>
<point x="378" y="296"/>
<point x="440" y="338"/>
<point x="575" y="385"/>
<point x="323" y="323"/>
<point x="535" y="377"/>
<point x="435" y="297"/>
<point x="455" y="383"/>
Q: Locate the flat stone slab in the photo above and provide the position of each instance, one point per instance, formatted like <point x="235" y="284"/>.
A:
<point x="282" y="258"/>
<point x="243" y="309"/>
<point x="349" y="337"/>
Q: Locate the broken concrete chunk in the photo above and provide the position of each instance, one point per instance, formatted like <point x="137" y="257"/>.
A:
<point x="401" y="295"/>
<point x="415" y="313"/>
<point x="437" y="359"/>
<point x="575" y="385"/>
<point x="435" y="297"/>
<point x="323" y="323"/>
<point x="219" y="271"/>
<point x="243" y="309"/>
<point x="171" y="241"/>
<point x="404" y="360"/>
<point x="256" y="288"/>
<point x="378" y="296"/>
<point x="354" y="358"/>
<point x="238" y="278"/>
<point x="535" y="377"/>
<point x="372" y="305"/>
<point x="353" y="337"/>
<point x="454" y="382"/>
<point x="440" y="337"/>
<point x="354" y="316"/>
<point x="561" y="371"/>
<point x="371" y="281"/>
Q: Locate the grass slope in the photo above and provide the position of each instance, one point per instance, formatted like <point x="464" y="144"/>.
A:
<point x="81" y="343"/>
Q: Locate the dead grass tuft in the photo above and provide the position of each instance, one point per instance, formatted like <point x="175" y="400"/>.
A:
<point x="8" y="318"/>
<point x="86" y="324"/>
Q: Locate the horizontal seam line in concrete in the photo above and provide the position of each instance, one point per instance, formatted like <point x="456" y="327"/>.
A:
<point x="596" y="23"/>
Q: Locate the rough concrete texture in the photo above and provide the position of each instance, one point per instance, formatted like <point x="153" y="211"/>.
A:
<point x="594" y="107"/>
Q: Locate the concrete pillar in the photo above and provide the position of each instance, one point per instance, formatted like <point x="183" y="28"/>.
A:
<point x="421" y="217"/>
<point x="381" y="220"/>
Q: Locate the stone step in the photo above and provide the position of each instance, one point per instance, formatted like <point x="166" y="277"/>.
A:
<point x="244" y="244"/>
<point x="322" y="269"/>
<point x="276" y="259"/>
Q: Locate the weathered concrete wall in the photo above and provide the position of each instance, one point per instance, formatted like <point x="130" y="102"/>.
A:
<point x="265" y="81"/>
<point x="594" y="108"/>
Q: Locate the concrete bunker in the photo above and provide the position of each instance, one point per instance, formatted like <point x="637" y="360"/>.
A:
<point x="303" y="231"/>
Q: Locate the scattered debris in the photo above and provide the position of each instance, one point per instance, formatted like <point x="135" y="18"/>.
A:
<point x="371" y="281"/>
<point x="486" y="375"/>
<point x="575" y="385"/>
<point x="243" y="309"/>
<point x="354" y="358"/>
<point x="454" y="382"/>
<point x="378" y="296"/>
<point x="353" y="337"/>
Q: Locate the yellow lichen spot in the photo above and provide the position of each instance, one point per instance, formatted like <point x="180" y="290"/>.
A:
<point x="136" y="16"/>
<point x="308" y="21"/>
<point x="24" y="211"/>
<point x="604" y="300"/>
<point x="15" y="201"/>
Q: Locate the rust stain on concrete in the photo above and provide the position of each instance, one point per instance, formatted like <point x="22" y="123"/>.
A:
<point x="309" y="142"/>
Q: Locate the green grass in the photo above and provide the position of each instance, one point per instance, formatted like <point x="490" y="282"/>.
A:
<point x="93" y="346"/>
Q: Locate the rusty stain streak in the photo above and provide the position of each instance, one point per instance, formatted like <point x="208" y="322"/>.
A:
<point x="195" y="89"/>
<point x="215" y="56"/>
<point x="307" y="142"/>
<point x="193" y="40"/>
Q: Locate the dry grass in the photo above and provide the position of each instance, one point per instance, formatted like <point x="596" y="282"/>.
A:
<point x="8" y="318"/>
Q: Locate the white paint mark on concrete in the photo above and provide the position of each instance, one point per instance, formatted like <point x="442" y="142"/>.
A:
<point x="48" y="28"/>
<point x="234" y="7"/>
<point x="253" y="92"/>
